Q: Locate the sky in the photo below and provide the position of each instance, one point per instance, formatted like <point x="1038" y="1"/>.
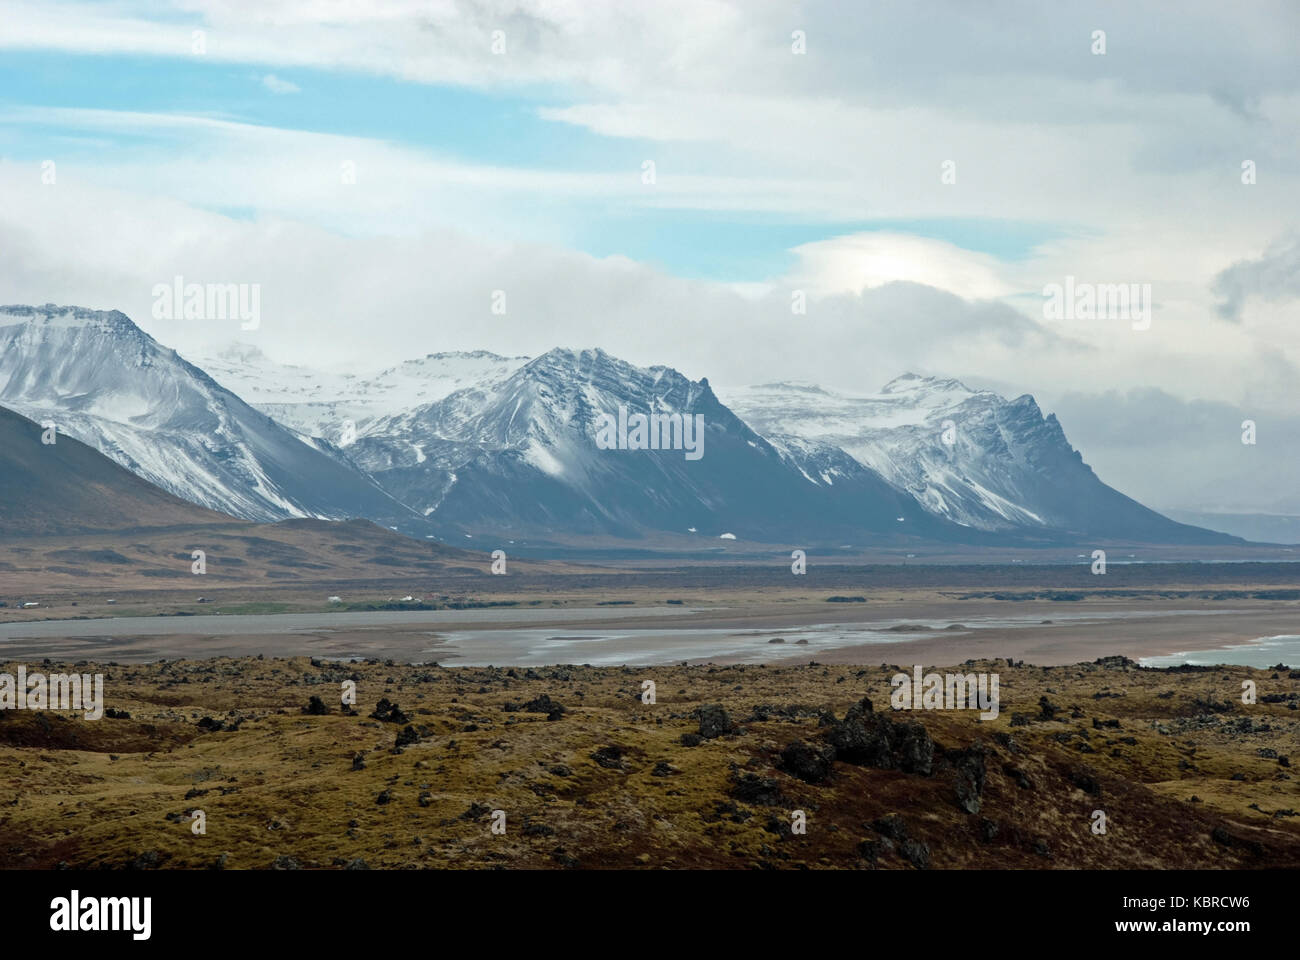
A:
<point x="663" y="180"/>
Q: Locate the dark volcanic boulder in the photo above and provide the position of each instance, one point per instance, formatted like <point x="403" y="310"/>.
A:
<point x="714" y="721"/>
<point x="762" y="791"/>
<point x="389" y="712"/>
<point x="863" y="738"/>
<point x="914" y="750"/>
<point x="544" y="704"/>
<point x="407" y="736"/>
<point x="874" y="740"/>
<point x="892" y="826"/>
<point x="811" y="763"/>
<point x="971" y="774"/>
<point x="916" y="853"/>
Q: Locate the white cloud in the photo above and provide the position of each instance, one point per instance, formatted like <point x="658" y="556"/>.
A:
<point x="1131" y="162"/>
<point x="1273" y="277"/>
<point x="858" y="262"/>
<point x="276" y="85"/>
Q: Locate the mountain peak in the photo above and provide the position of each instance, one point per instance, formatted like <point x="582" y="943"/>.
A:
<point x="561" y="361"/>
<point x="594" y="365"/>
<point x="54" y="315"/>
<point x="466" y="355"/>
<point x="913" y="382"/>
<point x="570" y="355"/>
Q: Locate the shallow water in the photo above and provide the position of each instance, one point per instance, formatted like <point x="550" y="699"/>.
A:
<point x="537" y="647"/>
<point x="1262" y="653"/>
<point x="216" y="625"/>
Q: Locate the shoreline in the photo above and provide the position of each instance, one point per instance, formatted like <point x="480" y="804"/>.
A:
<point x="948" y="633"/>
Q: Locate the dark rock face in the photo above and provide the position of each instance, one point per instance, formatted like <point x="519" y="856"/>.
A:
<point x="914" y="752"/>
<point x="971" y="775"/>
<point x="389" y="712"/>
<point x="872" y="739"/>
<point x="871" y="850"/>
<point x="812" y="763"/>
<point x="407" y="736"/>
<point x="861" y="738"/>
<point x="892" y="826"/>
<point x="916" y="853"/>
<point x="761" y="791"/>
<point x="544" y="704"/>
<point x="714" y="721"/>
<point x="792" y="713"/>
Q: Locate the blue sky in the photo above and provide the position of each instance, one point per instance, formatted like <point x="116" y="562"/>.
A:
<point x="500" y="128"/>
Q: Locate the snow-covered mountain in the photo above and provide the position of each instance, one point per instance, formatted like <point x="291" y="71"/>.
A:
<point x="521" y="455"/>
<point x="458" y="444"/>
<point x="105" y="382"/>
<point x="317" y="403"/>
<point x="969" y="456"/>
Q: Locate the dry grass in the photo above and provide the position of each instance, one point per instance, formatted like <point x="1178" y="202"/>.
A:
<point x="98" y="794"/>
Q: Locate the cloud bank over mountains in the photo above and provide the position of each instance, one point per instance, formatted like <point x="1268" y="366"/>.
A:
<point x="523" y="172"/>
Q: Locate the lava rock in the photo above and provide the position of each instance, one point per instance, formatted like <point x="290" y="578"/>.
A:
<point x="761" y="791"/>
<point x="810" y="763"/>
<point x="714" y="721"/>
<point x="389" y="712"/>
<point x="610" y="757"/>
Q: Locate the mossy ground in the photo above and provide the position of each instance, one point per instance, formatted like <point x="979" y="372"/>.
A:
<point x="282" y="785"/>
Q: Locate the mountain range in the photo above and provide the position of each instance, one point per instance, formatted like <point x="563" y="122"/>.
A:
<point x="458" y="446"/>
<point x="107" y="383"/>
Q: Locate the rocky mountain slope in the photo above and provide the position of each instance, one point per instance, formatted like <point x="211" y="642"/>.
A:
<point x="968" y="456"/>
<point x="464" y="445"/>
<point x="66" y="487"/>
<point x="107" y="383"/>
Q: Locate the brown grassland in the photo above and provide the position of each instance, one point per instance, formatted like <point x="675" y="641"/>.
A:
<point x="1185" y="773"/>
